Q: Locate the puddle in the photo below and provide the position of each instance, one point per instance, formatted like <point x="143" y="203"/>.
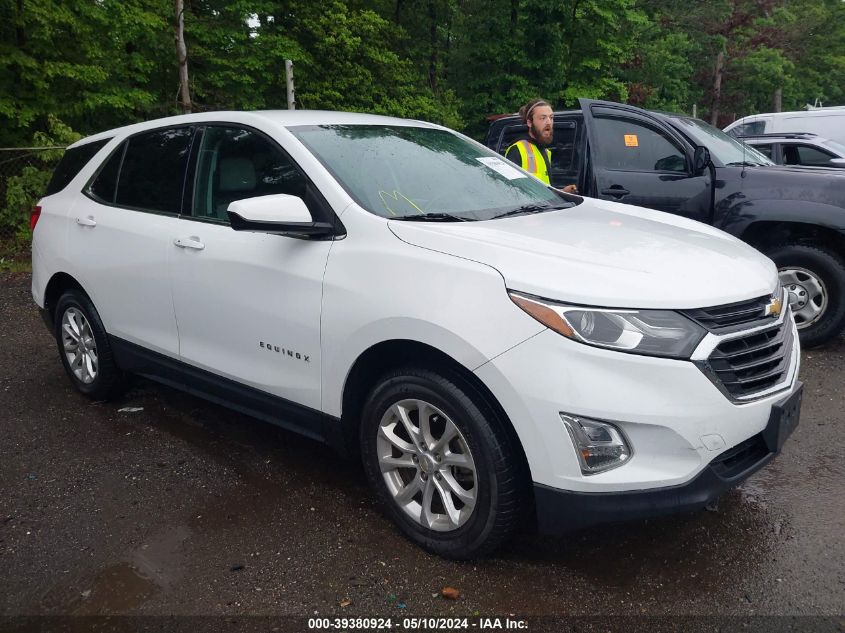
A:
<point x="157" y="559"/>
<point x="116" y="589"/>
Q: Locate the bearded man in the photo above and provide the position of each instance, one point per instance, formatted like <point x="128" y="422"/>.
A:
<point x="533" y="153"/>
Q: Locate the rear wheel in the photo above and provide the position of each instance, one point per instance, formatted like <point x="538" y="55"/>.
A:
<point x="442" y="466"/>
<point x="815" y="280"/>
<point x="84" y="347"/>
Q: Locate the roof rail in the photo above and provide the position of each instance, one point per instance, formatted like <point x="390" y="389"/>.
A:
<point x="806" y="135"/>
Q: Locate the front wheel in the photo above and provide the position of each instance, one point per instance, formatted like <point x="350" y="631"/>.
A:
<point x="441" y="464"/>
<point x="815" y="280"/>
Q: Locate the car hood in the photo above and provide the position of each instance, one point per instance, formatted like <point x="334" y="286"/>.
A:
<point x="606" y="254"/>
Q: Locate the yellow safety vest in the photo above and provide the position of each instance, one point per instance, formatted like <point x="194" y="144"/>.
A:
<point x="532" y="160"/>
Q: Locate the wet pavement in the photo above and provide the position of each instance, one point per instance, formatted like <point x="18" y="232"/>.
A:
<point x="187" y="508"/>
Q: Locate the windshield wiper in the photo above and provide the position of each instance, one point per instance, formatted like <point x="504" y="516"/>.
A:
<point x="741" y="163"/>
<point x="432" y="217"/>
<point x="531" y="207"/>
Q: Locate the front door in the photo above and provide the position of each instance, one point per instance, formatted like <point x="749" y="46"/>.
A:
<point x="638" y="160"/>
<point x="248" y="304"/>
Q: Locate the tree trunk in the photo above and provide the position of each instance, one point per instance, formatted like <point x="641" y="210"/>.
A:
<point x="182" y="57"/>
<point x="447" y="55"/>
<point x="432" y="56"/>
<point x="717" y="87"/>
<point x="778" y="102"/>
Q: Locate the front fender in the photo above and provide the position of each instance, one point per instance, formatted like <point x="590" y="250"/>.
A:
<point x="741" y="214"/>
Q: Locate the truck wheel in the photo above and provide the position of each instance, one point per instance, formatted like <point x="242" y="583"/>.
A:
<point x="443" y="469"/>
<point x="84" y="348"/>
<point x="815" y="280"/>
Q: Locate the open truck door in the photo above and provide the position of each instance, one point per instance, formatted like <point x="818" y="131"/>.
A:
<point x="637" y="159"/>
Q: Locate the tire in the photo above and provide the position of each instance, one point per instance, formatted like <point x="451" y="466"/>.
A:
<point x="487" y="507"/>
<point x="91" y="369"/>
<point x="815" y="279"/>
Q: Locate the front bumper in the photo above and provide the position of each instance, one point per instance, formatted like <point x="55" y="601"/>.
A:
<point x="561" y="511"/>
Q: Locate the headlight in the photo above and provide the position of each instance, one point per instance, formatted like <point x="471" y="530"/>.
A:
<point x="648" y="332"/>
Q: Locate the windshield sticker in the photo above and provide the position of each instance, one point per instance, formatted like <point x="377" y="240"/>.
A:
<point x="397" y="204"/>
<point x="501" y="167"/>
<point x="631" y="140"/>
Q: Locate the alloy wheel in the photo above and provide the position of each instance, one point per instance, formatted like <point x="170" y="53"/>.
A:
<point x="427" y="465"/>
<point x="79" y="346"/>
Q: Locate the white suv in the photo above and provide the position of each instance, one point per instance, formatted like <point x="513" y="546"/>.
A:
<point x="494" y="350"/>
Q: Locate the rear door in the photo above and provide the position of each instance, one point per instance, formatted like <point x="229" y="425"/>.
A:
<point x="120" y="236"/>
<point x="637" y="159"/>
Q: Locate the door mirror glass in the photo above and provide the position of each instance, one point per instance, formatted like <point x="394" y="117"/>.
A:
<point x="278" y="208"/>
<point x="700" y="159"/>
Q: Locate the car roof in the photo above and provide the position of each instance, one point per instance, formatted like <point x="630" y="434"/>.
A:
<point x="807" y="137"/>
<point x="284" y="118"/>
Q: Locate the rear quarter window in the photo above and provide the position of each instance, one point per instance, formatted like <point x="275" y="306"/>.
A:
<point x="72" y="163"/>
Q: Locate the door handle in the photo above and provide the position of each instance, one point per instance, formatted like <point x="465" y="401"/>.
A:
<point x="616" y="191"/>
<point x="89" y="221"/>
<point x="189" y="242"/>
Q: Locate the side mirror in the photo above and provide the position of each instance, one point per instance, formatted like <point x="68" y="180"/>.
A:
<point x="700" y="159"/>
<point x="837" y="162"/>
<point x="278" y="214"/>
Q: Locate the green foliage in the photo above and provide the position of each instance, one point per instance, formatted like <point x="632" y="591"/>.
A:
<point x="97" y="64"/>
<point x="26" y="178"/>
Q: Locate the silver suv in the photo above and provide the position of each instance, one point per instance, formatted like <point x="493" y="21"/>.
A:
<point x="800" y="149"/>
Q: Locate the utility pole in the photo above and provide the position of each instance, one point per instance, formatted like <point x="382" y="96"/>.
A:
<point x="289" y="78"/>
<point x="182" y="56"/>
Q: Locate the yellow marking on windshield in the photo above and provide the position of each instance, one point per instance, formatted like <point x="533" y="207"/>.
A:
<point x="398" y="198"/>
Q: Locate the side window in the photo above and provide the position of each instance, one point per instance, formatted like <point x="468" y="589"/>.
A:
<point x="765" y="149"/>
<point x="749" y="129"/>
<point x="511" y="134"/>
<point x="234" y="164"/>
<point x="153" y="171"/>
<point x="564" y="149"/>
<point x="627" y="145"/>
<point x="564" y="146"/>
<point x="104" y="185"/>
<point x="809" y="155"/>
<point x="71" y="164"/>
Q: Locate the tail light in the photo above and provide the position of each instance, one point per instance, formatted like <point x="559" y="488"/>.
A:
<point x="33" y="218"/>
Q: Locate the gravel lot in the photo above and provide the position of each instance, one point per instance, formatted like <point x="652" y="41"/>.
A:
<point x="186" y="508"/>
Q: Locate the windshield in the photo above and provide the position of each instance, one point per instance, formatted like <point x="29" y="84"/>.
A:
<point x="724" y="150"/>
<point x="423" y="173"/>
<point x="839" y="148"/>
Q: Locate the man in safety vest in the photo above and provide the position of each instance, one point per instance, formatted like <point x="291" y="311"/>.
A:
<point x="533" y="153"/>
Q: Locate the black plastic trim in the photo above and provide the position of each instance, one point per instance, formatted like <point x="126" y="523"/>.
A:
<point x="229" y="393"/>
<point x="560" y="511"/>
<point x="48" y="319"/>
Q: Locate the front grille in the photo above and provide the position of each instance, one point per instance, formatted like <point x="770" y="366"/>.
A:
<point x="732" y="314"/>
<point x="753" y="363"/>
<point x="740" y="458"/>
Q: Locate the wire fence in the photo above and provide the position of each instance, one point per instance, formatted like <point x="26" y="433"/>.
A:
<point x="24" y="174"/>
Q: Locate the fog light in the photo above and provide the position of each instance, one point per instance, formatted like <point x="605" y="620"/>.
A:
<point x="600" y="446"/>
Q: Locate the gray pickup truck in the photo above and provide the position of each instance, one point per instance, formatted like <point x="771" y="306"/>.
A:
<point x="681" y="165"/>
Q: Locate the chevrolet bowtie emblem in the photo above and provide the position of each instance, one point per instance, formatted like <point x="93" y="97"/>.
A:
<point x="774" y="307"/>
